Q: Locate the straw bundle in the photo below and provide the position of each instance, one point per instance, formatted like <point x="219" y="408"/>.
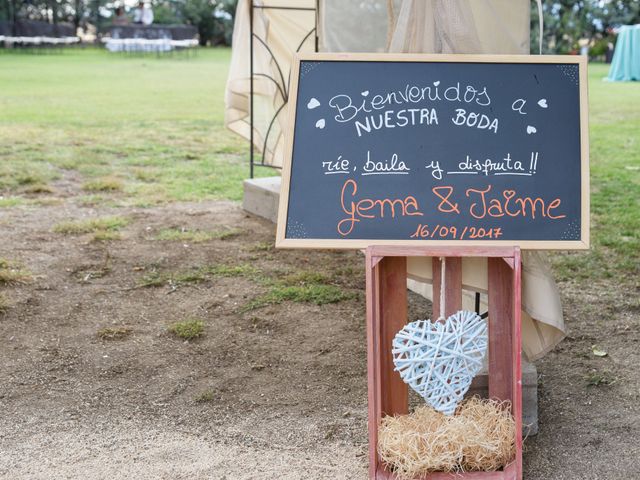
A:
<point x="479" y="437"/>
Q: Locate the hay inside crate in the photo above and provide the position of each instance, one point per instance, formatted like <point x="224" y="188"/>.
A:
<point x="480" y="436"/>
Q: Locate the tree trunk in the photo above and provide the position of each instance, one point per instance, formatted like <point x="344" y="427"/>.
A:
<point x="78" y="14"/>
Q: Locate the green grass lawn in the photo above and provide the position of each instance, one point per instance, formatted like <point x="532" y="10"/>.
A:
<point x="614" y="124"/>
<point x="152" y="126"/>
<point x="150" y="130"/>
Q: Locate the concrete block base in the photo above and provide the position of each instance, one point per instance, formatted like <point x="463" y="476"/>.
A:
<point x="261" y="197"/>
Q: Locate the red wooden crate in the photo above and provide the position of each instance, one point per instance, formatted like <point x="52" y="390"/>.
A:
<point x="386" y="270"/>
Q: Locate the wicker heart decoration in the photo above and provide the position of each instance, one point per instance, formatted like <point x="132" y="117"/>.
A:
<point x="439" y="359"/>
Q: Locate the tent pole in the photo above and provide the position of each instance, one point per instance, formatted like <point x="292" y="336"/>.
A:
<point x="317" y="24"/>
<point x="251" y="90"/>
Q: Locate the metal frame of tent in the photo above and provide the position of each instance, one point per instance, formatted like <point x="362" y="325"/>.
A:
<point x="281" y="84"/>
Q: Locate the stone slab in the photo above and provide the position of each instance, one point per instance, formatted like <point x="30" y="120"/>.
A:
<point x="480" y="387"/>
<point x="261" y="197"/>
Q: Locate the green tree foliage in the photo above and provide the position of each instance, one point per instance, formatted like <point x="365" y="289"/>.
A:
<point x="568" y="21"/>
<point x="614" y="13"/>
<point x="167" y="12"/>
<point x="214" y="19"/>
<point x="51" y="11"/>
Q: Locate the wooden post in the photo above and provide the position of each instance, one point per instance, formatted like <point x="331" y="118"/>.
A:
<point x="500" y="329"/>
<point x="453" y="280"/>
<point x="386" y="314"/>
<point x="392" y="278"/>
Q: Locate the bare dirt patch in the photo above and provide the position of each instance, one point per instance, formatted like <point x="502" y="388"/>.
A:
<point x="93" y="383"/>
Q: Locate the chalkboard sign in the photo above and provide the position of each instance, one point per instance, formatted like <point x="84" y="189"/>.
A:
<point x="439" y="149"/>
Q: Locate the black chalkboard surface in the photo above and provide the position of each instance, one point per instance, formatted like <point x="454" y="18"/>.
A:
<point x="456" y="149"/>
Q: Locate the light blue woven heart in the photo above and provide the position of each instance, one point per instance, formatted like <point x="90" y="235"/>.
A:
<point x="439" y="359"/>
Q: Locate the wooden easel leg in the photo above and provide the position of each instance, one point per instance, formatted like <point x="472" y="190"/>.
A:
<point x="500" y="329"/>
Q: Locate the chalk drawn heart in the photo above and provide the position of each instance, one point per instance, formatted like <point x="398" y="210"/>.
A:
<point x="436" y="83"/>
<point x="509" y="194"/>
<point x="439" y="359"/>
<point x="365" y="93"/>
<point x="320" y="123"/>
<point x="543" y="102"/>
<point x="531" y="129"/>
<point x="313" y="103"/>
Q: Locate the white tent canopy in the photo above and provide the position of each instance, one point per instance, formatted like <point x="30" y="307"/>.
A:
<point x="418" y="26"/>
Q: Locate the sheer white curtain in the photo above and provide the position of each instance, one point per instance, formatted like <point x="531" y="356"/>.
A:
<point x="461" y="26"/>
<point x="435" y="27"/>
<point x="356" y="25"/>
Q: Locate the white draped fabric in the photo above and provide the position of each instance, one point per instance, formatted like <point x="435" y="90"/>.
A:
<point x="462" y="26"/>
<point x="283" y="33"/>
<point x="417" y="26"/>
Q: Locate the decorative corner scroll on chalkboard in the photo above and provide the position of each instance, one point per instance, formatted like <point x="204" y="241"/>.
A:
<point x="446" y="149"/>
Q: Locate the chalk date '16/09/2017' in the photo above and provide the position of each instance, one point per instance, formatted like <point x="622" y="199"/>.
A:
<point x="450" y="232"/>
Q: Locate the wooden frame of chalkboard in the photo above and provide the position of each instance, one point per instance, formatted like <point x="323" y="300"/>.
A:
<point x="575" y="235"/>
